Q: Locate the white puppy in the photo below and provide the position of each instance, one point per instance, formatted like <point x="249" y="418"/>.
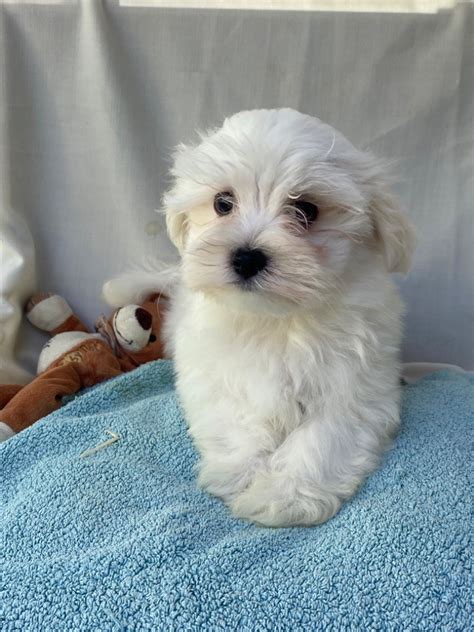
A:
<point x="285" y="325"/>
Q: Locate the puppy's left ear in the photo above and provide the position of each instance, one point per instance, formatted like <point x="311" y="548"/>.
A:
<point x="393" y="230"/>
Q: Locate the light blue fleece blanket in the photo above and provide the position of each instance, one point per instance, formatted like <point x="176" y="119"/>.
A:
<point x="123" y="540"/>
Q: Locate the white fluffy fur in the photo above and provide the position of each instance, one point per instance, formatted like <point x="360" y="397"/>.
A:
<point x="290" y="385"/>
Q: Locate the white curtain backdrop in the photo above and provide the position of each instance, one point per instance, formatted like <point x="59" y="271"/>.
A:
<point x="95" y="94"/>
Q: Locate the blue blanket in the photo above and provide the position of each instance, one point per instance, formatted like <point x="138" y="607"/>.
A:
<point x="121" y="538"/>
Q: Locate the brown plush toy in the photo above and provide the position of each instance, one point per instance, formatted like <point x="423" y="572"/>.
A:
<point x="74" y="358"/>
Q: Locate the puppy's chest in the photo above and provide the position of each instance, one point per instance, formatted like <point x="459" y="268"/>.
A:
<point x="259" y="364"/>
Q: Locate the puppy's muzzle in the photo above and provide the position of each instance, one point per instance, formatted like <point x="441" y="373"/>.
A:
<point x="248" y="262"/>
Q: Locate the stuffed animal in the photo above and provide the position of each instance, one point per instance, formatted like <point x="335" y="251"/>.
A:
<point x="75" y="358"/>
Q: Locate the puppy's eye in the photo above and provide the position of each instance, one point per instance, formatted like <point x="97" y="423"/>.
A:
<point x="224" y="203"/>
<point x="152" y="338"/>
<point x="306" y="212"/>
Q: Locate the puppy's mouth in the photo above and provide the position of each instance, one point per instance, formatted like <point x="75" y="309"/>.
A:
<point x="249" y="285"/>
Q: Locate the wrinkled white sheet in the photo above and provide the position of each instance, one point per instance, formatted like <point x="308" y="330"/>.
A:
<point x="95" y="95"/>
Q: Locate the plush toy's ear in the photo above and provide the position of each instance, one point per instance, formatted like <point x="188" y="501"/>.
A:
<point x="393" y="230"/>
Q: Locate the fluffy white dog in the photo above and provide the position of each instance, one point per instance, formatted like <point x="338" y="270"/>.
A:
<point x="285" y="326"/>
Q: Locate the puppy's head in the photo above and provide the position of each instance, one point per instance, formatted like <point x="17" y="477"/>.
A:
<point x="274" y="209"/>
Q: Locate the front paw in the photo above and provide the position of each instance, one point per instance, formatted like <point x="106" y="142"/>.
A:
<point x="273" y="501"/>
<point x="226" y="478"/>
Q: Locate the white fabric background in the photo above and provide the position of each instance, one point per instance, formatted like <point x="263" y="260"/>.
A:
<point x="95" y="95"/>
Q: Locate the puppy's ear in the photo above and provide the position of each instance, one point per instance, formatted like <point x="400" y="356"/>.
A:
<point x="393" y="230"/>
<point x="176" y="199"/>
<point x="176" y="224"/>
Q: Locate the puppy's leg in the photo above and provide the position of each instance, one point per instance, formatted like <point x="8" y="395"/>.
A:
<point x="226" y="476"/>
<point x="231" y="453"/>
<point x="308" y="477"/>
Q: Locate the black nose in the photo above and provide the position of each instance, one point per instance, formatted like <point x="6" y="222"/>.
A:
<point x="247" y="262"/>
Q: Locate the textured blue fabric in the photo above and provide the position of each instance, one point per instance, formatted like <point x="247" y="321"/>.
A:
<point x="123" y="539"/>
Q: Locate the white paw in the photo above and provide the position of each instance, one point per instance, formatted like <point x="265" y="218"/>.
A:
<point x="273" y="501"/>
<point x="226" y="478"/>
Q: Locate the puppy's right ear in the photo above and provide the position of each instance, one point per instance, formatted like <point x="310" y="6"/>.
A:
<point x="174" y="203"/>
<point x="176" y="224"/>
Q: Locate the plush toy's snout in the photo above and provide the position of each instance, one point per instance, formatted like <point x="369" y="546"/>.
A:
<point x="144" y="318"/>
<point x="132" y="327"/>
